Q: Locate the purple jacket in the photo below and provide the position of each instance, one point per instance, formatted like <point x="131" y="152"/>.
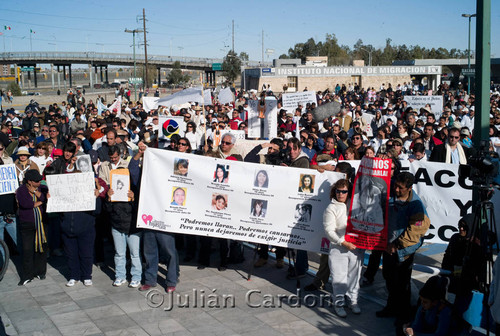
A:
<point x="26" y="204"/>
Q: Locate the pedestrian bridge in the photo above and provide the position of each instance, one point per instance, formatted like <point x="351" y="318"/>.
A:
<point x="103" y="59"/>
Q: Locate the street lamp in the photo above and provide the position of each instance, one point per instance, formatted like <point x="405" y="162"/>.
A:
<point x="369" y="55"/>
<point x="135" y="72"/>
<point x="469" y="16"/>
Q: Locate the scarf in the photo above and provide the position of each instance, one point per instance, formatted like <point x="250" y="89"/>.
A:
<point x="461" y="154"/>
<point x="40" y="238"/>
<point x="20" y="173"/>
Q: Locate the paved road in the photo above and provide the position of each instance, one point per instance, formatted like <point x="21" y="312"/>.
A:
<point x="48" y="307"/>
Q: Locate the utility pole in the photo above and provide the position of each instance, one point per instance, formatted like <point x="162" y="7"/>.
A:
<point x="145" y="49"/>
<point x="483" y="70"/>
<point x="469" y="16"/>
<point x="262" y="47"/>
<point x="135" y="71"/>
<point x="233" y="36"/>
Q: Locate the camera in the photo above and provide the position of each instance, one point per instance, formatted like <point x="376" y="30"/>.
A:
<point x="277" y="158"/>
<point x="483" y="167"/>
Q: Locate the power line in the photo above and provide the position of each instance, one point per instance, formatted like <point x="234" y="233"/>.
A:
<point x="62" y="16"/>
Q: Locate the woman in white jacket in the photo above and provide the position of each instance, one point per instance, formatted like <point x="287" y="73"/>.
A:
<point x="345" y="259"/>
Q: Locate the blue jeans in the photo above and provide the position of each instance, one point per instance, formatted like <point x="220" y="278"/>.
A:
<point x="9" y="227"/>
<point x="122" y="240"/>
<point x="154" y="241"/>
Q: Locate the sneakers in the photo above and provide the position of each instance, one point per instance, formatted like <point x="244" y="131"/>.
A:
<point x="145" y="287"/>
<point x="170" y="289"/>
<point x="340" y="311"/>
<point x="261" y="262"/>
<point x="280" y="263"/>
<point x="354" y="308"/>
<point x="119" y="282"/>
<point x="134" y="284"/>
<point x="87" y="282"/>
<point x="24" y="282"/>
<point x="41" y="277"/>
<point x="72" y="282"/>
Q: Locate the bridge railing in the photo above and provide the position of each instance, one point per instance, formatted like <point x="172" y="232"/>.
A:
<point x="91" y="56"/>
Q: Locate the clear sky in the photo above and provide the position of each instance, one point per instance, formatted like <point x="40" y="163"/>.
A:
<point x="203" y="28"/>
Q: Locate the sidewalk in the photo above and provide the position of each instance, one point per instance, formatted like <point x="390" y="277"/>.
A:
<point x="48" y="307"/>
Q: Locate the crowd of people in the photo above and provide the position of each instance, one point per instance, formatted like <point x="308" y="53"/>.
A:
<point x="41" y="141"/>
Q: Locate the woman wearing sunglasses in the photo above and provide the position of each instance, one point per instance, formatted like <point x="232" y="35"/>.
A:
<point x="345" y="259"/>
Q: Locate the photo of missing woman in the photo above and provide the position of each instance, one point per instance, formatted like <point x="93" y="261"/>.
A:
<point x="181" y="167"/>
<point x="83" y="163"/>
<point x="178" y="196"/>
<point x="303" y="212"/>
<point x="306" y="183"/>
<point x="221" y="173"/>
<point x="261" y="179"/>
<point x="258" y="208"/>
<point x="219" y="202"/>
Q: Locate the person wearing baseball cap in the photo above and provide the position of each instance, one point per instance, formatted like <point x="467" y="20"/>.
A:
<point x="31" y="201"/>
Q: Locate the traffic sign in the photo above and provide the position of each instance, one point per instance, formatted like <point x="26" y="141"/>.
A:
<point x="26" y="69"/>
<point x="470" y="72"/>
<point x="217" y="66"/>
<point x="136" y="80"/>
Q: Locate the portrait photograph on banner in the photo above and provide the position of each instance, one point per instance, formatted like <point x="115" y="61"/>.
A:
<point x="368" y="213"/>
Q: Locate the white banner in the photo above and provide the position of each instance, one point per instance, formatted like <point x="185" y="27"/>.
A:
<point x="417" y="102"/>
<point x="8" y="179"/>
<point x="226" y="96"/>
<point x="447" y="197"/>
<point x="266" y="127"/>
<point x="150" y="103"/>
<point x="275" y="205"/>
<point x="71" y="192"/>
<point x="191" y="95"/>
<point x="291" y="100"/>
<point x="117" y="105"/>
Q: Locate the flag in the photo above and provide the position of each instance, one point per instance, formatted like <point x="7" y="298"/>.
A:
<point x="7" y="27"/>
<point x="32" y="31"/>
<point x="117" y="105"/>
<point x="100" y="107"/>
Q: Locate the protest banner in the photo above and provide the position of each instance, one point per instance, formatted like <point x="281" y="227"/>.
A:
<point x="8" y="179"/>
<point x="226" y="96"/>
<point x="417" y="102"/>
<point x="116" y="106"/>
<point x="150" y="103"/>
<point x="446" y="195"/>
<point x="71" y="192"/>
<point x="234" y="200"/>
<point x="170" y="126"/>
<point x="368" y="214"/>
<point x="265" y="127"/>
<point x="191" y="95"/>
<point x="291" y="100"/>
